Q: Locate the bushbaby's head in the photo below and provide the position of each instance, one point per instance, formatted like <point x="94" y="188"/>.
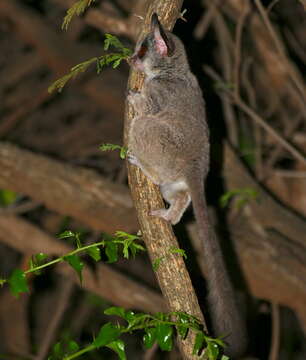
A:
<point x="159" y="52"/>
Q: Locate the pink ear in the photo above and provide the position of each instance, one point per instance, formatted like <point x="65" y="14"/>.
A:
<point x="160" y="44"/>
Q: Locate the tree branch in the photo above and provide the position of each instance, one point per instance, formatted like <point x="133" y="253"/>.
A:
<point x="67" y="189"/>
<point x="172" y="275"/>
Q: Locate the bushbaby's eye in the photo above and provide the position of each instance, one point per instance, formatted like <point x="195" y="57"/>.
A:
<point x="142" y="51"/>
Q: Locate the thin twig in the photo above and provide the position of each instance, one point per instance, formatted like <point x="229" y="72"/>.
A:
<point x="237" y="56"/>
<point x="259" y="169"/>
<point x="294" y="44"/>
<point x="274" y="351"/>
<point x="280" y="48"/>
<point x="257" y="118"/>
<point x="226" y="49"/>
<point x="205" y="21"/>
<point x="290" y="173"/>
<point x="20" y="208"/>
<point x="65" y="291"/>
<point x="273" y="3"/>
<point x="289" y="131"/>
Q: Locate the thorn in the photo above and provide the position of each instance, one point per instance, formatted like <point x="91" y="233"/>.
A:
<point x="139" y="16"/>
<point x="182" y="15"/>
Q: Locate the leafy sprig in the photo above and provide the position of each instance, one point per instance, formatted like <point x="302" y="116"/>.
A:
<point x="121" y="240"/>
<point x="159" y="328"/>
<point x="243" y="196"/>
<point x="172" y="250"/>
<point x="113" y="59"/>
<point x="112" y="147"/>
<point x="76" y="9"/>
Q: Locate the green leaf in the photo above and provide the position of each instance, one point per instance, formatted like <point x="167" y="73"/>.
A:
<point x="244" y="195"/>
<point x="164" y="336"/>
<point x="212" y="350"/>
<point x="111" y="251"/>
<point x="116" y="310"/>
<point x="116" y="63"/>
<point x="107" y="334"/>
<point x="72" y="346"/>
<point x="75" y="262"/>
<point x="199" y="343"/>
<point x="109" y="147"/>
<point x="40" y="257"/>
<point x="119" y="348"/>
<point x="111" y="40"/>
<point x="2" y="282"/>
<point x="74" y="71"/>
<point x="220" y="342"/>
<point x="224" y="357"/>
<point x="57" y="350"/>
<point x="94" y="252"/>
<point x="112" y="147"/>
<point x="37" y="260"/>
<point x="123" y="152"/>
<point x="134" y="319"/>
<point x="18" y="282"/>
<point x="182" y="329"/>
<point x="66" y="234"/>
<point x="135" y="248"/>
<point x="126" y="247"/>
<point x="130" y="317"/>
<point x="77" y="9"/>
<point x="149" y="337"/>
<point x="78" y="240"/>
<point x="179" y="252"/>
<point x="157" y="262"/>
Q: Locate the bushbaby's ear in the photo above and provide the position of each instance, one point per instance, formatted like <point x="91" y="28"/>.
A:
<point x="163" y="44"/>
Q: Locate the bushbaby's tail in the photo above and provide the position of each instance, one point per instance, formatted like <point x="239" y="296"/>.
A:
<point x="225" y="315"/>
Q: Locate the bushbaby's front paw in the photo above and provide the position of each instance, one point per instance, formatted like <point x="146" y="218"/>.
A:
<point x="131" y="94"/>
<point x="135" y="98"/>
<point x="132" y="159"/>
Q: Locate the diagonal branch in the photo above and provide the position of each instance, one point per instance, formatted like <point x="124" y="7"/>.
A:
<point x="66" y="189"/>
<point x="172" y="274"/>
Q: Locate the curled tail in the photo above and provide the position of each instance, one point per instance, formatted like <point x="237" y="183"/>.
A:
<point x="225" y="315"/>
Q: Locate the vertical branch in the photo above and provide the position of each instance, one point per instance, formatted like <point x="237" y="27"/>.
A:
<point x="171" y="273"/>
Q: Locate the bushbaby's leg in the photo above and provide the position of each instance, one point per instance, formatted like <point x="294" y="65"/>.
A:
<point x="178" y="197"/>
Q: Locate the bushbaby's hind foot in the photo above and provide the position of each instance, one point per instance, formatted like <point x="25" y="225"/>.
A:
<point x="166" y="215"/>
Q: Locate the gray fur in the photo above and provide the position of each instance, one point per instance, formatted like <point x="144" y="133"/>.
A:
<point x="169" y="141"/>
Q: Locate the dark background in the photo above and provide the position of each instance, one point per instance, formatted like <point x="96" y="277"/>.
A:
<point x="259" y="44"/>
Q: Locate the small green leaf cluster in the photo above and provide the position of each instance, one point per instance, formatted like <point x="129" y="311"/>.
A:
<point x="172" y="250"/>
<point x="159" y="328"/>
<point x="100" y="61"/>
<point x="60" y="350"/>
<point x="121" y="240"/>
<point x="76" y="9"/>
<point x="243" y="195"/>
<point x="112" y="147"/>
